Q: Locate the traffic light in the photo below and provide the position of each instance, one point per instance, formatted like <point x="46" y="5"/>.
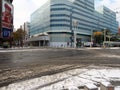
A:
<point x="78" y="42"/>
<point x="71" y="39"/>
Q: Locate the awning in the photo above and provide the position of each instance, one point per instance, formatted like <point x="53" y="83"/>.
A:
<point x="38" y="38"/>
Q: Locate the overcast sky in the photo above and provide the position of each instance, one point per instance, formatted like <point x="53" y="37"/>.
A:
<point x="23" y="8"/>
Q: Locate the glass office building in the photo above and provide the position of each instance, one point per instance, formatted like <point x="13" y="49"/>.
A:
<point x="60" y="18"/>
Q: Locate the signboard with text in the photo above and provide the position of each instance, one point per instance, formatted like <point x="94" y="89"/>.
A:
<point x="7" y="19"/>
<point x="6" y="32"/>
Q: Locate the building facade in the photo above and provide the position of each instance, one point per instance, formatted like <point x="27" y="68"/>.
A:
<point x="6" y="22"/>
<point x="68" y="22"/>
<point x="26" y="28"/>
<point x="119" y="30"/>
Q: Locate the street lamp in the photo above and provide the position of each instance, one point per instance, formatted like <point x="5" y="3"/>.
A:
<point x="91" y="37"/>
<point x="109" y="36"/>
<point x="73" y="24"/>
<point x="92" y="30"/>
<point x="72" y="31"/>
<point x="104" y="37"/>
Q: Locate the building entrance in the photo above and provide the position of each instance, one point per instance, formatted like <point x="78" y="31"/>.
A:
<point x="41" y="40"/>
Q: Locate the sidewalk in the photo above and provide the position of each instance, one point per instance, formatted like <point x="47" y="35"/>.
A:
<point x="39" y="48"/>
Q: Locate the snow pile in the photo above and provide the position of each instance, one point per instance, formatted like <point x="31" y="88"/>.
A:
<point x="117" y="88"/>
<point x="70" y="80"/>
<point x="20" y="50"/>
<point x="91" y="86"/>
<point x="106" y="84"/>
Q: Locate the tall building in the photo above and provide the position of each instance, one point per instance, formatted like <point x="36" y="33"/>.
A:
<point x="6" y="22"/>
<point x="26" y="28"/>
<point x="68" y="21"/>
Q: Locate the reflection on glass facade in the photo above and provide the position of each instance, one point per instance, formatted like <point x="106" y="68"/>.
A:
<point x="54" y="19"/>
<point x="40" y="20"/>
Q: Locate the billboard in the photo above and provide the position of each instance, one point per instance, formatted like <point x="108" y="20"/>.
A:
<point x="7" y="19"/>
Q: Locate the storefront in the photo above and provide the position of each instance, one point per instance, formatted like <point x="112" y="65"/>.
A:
<point x="6" y="25"/>
<point x="41" y="40"/>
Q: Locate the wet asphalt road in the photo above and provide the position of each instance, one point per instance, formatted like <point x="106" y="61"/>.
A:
<point x="15" y="66"/>
<point x="41" y="57"/>
<point x="58" y="56"/>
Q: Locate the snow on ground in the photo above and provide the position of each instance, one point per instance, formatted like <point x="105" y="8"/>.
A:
<point x="111" y="56"/>
<point x="22" y="49"/>
<point x="70" y="80"/>
<point x="117" y="88"/>
<point x="19" y="50"/>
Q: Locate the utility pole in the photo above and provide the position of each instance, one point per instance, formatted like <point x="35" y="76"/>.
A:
<point x="104" y="37"/>
<point x="72" y="32"/>
<point x="91" y="38"/>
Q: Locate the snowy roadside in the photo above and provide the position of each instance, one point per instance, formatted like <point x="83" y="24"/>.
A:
<point x="69" y="79"/>
<point x="20" y="50"/>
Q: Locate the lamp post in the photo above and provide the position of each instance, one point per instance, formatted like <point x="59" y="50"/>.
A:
<point x="72" y="32"/>
<point x="104" y="37"/>
<point x="91" y="37"/>
<point x="109" y="36"/>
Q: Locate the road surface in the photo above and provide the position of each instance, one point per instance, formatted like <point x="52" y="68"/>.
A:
<point x="24" y="64"/>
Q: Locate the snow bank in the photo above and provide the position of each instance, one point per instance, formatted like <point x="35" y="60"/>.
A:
<point x="70" y="80"/>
